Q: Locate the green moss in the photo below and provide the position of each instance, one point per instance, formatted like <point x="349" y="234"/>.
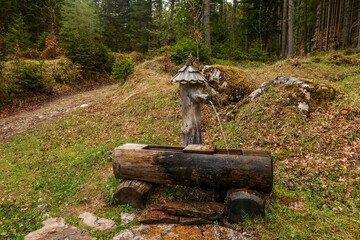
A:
<point x="232" y="86"/>
<point x="319" y="93"/>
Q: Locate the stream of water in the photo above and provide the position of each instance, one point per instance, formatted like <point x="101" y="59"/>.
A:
<point x="222" y="130"/>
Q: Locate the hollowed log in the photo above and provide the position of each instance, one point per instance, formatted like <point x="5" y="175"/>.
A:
<point x="170" y="165"/>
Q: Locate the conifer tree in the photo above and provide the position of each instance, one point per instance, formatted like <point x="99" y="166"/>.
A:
<point x="18" y="34"/>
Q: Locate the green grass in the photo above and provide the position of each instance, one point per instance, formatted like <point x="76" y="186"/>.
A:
<point x="67" y="163"/>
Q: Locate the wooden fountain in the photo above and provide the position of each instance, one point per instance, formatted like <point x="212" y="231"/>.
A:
<point x="247" y="175"/>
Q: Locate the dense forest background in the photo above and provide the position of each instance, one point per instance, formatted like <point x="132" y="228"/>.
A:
<point x="230" y="30"/>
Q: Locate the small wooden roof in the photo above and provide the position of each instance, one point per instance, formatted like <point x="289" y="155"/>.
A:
<point x="188" y="74"/>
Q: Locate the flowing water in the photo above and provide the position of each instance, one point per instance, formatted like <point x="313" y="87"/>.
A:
<point x="222" y="130"/>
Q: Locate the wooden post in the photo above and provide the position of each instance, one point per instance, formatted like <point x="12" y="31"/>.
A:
<point x="191" y="98"/>
<point x="191" y="80"/>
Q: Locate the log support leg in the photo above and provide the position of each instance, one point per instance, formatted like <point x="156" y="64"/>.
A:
<point x="243" y="204"/>
<point x="134" y="193"/>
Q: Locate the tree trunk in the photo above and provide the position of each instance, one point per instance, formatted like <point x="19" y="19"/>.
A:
<point x="172" y="9"/>
<point x="328" y="26"/>
<point x="150" y="3"/>
<point x="358" y="35"/>
<point x="207" y="23"/>
<point x="221" y="10"/>
<point x="233" y="18"/>
<point x="172" y="166"/>
<point x="305" y="27"/>
<point x="347" y="22"/>
<point x="290" y="51"/>
<point x="317" y="28"/>
<point x="339" y="25"/>
<point x="284" y="28"/>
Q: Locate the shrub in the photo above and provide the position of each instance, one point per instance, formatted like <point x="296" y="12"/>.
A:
<point x="122" y="69"/>
<point x="52" y="49"/>
<point x="2" y="66"/>
<point x="136" y="57"/>
<point x="92" y="56"/>
<point x="166" y="63"/>
<point x="66" y="72"/>
<point x="152" y="53"/>
<point x="41" y="41"/>
<point x="29" y="78"/>
<point x="4" y="95"/>
<point x="181" y="50"/>
<point x="24" y="79"/>
<point x="228" y="50"/>
<point x="31" y="53"/>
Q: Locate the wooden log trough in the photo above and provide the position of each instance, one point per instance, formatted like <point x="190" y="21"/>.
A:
<point x="195" y="165"/>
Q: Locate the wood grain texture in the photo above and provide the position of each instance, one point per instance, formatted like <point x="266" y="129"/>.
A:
<point x="242" y="205"/>
<point x="191" y="114"/>
<point x="133" y="192"/>
<point x="211" y="171"/>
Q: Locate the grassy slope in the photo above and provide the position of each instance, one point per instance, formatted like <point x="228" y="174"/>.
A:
<point x="67" y="164"/>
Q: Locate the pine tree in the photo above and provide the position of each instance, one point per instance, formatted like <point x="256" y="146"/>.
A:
<point x="18" y="34"/>
<point x="80" y="20"/>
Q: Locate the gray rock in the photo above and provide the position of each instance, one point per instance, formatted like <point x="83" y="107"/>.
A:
<point x="56" y="229"/>
<point x="126" y="218"/>
<point x="42" y="206"/>
<point x="303" y="106"/>
<point x="265" y="85"/>
<point x="253" y="95"/>
<point x="175" y="231"/>
<point x="92" y="221"/>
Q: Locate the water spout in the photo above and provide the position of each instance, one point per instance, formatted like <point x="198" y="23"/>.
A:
<point x="222" y="130"/>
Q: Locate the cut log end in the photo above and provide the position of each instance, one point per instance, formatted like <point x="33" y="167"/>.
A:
<point x="242" y="205"/>
<point x="133" y="192"/>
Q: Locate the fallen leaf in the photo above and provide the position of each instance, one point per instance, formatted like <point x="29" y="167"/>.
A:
<point x="344" y="112"/>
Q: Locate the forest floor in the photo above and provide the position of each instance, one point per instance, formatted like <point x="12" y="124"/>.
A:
<point x="43" y="113"/>
<point x="65" y="165"/>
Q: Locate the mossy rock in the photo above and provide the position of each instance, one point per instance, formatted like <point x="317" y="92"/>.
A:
<point x="313" y="93"/>
<point x="341" y="59"/>
<point x="228" y="84"/>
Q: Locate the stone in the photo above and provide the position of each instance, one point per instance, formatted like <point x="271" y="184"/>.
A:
<point x="126" y="218"/>
<point x="297" y="205"/>
<point x="84" y="105"/>
<point x="301" y="93"/>
<point x="253" y="95"/>
<point x="193" y="221"/>
<point x="226" y="84"/>
<point x="205" y="210"/>
<point x="303" y="106"/>
<point x="156" y="216"/>
<point x="101" y="224"/>
<point x="56" y="229"/>
<point x="179" y="232"/>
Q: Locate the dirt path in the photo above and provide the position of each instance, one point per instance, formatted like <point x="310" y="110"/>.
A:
<point x="54" y="109"/>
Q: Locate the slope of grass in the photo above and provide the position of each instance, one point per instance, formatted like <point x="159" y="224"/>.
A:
<point x="66" y="165"/>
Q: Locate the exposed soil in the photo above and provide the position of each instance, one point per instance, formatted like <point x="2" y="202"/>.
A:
<point x="22" y="121"/>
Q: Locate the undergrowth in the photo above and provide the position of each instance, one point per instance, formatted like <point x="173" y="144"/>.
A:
<point x="67" y="164"/>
